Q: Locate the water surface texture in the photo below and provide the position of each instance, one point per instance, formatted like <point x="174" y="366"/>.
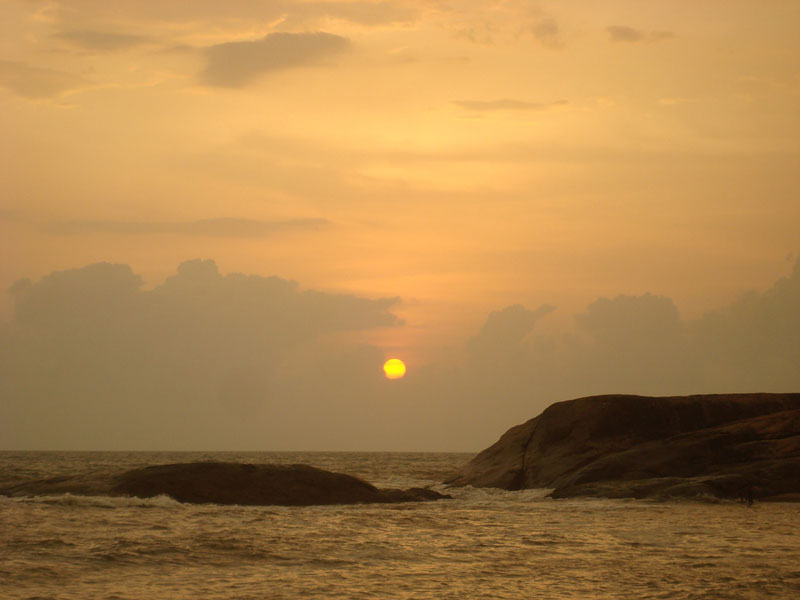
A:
<point x="481" y="544"/>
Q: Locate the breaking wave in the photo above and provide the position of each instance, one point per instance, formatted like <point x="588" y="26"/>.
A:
<point x="161" y="501"/>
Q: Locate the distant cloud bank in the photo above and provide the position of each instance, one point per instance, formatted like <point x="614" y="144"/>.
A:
<point x="206" y="360"/>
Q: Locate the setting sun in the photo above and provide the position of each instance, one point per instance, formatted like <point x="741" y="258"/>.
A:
<point x="394" y="368"/>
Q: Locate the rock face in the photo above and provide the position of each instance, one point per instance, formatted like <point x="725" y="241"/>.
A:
<point x="227" y="483"/>
<point x="635" y="446"/>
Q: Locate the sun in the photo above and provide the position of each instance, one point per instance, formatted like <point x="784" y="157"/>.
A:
<point x="394" y="368"/>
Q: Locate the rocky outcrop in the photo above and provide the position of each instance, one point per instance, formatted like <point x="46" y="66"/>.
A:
<point x="634" y="446"/>
<point x="226" y="483"/>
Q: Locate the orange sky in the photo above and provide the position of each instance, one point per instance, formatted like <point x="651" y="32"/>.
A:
<point x="463" y="156"/>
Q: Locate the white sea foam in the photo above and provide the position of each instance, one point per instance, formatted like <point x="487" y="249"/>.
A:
<point x="474" y="495"/>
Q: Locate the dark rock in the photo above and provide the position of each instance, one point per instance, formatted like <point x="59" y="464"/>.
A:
<point x="227" y="483"/>
<point x="636" y="446"/>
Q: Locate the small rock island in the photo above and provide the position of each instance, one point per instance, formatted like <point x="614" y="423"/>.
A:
<point x="226" y="483"/>
<point x="736" y="446"/>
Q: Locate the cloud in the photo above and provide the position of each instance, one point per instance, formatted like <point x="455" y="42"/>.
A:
<point x="641" y="319"/>
<point x="546" y="31"/>
<point x="506" y="104"/>
<point x="237" y="64"/>
<point x="623" y="33"/>
<point x="655" y="36"/>
<point x="203" y="359"/>
<point x="208" y="360"/>
<point x="362" y="13"/>
<point x="101" y="41"/>
<point x="754" y="344"/>
<point x="515" y="368"/>
<point x="506" y="329"/>
<point x="34" y="82"/>
<point x="292" y="13"/>
<point x="222" y="227"/>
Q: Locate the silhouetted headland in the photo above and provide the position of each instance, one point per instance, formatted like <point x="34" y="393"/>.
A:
<point x="226" y="483"/>
<point x="738" y="446"/>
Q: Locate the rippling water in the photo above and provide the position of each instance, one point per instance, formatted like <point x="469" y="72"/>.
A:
<point x="482" y="544"/>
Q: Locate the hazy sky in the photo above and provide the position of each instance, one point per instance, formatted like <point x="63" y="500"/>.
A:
<point x="524" y="200"/>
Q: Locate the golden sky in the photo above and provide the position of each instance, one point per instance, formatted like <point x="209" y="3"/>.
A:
<point x="462" y="156"/>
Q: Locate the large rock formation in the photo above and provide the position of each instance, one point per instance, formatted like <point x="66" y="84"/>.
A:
<point x="226" y="483"/>
<point x="633" y="446"/>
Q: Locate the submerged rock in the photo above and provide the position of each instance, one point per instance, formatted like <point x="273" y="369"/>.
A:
<point x="726" y="446"/>
<point x="226" y="483"/>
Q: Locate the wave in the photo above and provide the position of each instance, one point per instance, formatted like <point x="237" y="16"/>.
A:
<point x="67" y="499"/>
<point x="473" y="495"/>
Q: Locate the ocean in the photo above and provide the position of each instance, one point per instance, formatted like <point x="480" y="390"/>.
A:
<point x="481" y="544"/>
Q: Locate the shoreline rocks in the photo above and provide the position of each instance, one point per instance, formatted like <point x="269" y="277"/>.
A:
<point x="226" y="483"/>
<point x="621" y="446"/>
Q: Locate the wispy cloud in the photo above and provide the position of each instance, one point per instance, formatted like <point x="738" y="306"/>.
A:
<point x="222" y="227"/>
<point x="236" y="64"/>
<point x="623" y="33"/>
<point x="546" y="32"/>
<point x="101" y="41"/>
<point x="35" y="82"/>
<point x="506" y="104"/>
<point x="361" y="13"/>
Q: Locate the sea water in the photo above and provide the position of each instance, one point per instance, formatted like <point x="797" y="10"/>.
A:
<point x="481" y="544"/>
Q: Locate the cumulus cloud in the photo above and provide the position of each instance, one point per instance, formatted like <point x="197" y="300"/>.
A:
<point x="506" y="104"/>
<point x="754" y="344"/>
<point x="506" y="329"/>
<point x="206" y="360"/>
<point x="623" y="33"/>
<point x="101" y="41"/>
<point x="92" y="359"/>
<point x="635" y="320"/>
<point x="35" y="82"/>
<point x="236" y="64"/>
<point x="221" y="227"/>
<point x="641" y="345"/>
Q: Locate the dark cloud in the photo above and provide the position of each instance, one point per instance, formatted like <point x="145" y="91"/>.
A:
<point x="34" y="82"/>
<point x="101" y="41"/>
<point x="623" y="33"/>
<point x="506" y="104"/>
<point x="237" y="64"/>
<point x="222" y="227"/>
